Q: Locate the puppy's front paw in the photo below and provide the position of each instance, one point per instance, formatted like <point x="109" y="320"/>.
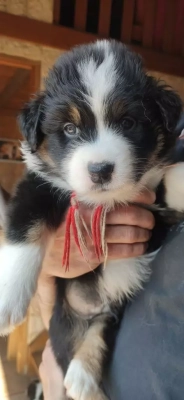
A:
<point x="80" y="384"/>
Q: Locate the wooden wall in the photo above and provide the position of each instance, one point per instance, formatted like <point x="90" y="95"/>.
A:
<point x="17" y="83"/>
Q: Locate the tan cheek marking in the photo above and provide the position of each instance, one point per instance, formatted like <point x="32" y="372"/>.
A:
<point x="44" y="155"/>
<point x="75" y="115"/>
<point x="36" y="233"/>
<point x="160" y="144"/>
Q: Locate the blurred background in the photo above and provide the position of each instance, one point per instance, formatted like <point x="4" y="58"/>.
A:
<point x="33" y="33"/>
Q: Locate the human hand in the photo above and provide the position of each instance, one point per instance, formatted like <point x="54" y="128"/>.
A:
<point x="128" y="229"/>
<point x="51" y="375"/>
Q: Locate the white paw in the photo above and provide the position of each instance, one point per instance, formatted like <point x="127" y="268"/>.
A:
<point x="13" y="307"/>
<point x="80" y="384"/>
<point x="18" y="276"/>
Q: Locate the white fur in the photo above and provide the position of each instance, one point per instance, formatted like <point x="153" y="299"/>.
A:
<point x="124" y="277"/>
<point x="99" y="81"/>
<point x="39" y="391"/>
<point x="152" y="178"/>
<point x="174" y="183"/>
<point x="19" y="269"/>
<point x="107" y="147"/>
<point x="80" y="384"/>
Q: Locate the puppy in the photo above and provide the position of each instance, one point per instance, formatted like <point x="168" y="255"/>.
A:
<point x="104" y="129"/>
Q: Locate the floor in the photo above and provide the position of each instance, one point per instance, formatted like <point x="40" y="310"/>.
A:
<point x="12" y="385"/>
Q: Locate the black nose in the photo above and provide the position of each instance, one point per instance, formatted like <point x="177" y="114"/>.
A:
<point x="100" y="172"/>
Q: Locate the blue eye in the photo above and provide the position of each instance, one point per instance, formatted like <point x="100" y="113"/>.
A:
<point x="71" y="130"/>
<point x="128" y="123"/>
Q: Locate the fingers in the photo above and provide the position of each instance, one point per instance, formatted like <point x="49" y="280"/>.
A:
<point x="146" y="197"/>
<point x="119" y="251"/>
<point x="126" y="234"/>
<point x="131" y="215"/>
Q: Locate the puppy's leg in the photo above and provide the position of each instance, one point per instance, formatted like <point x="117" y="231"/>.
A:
<point x="34" y="211"/>
<point x="84" y="373"/>
<point x="20" y="264"/>
<point x="174" y="186"/>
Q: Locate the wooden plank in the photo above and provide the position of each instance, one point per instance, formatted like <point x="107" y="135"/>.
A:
<point x="159" y="24"/>
<point x="139" y="12"/>
<point x="10" y="173"/>
<point x="13" y="85"/>
<point x="179" y="31"/>
<point x="56" y="11"/>
<point x="38" y="32"/>
<point x="149" y="22"/>
<point x="104" y="18"/>
<point x="80" y="15"/>
<point x="34" y="67"/>
<point x="42" y="33"/>
<point x="13" y="341"/>
<point x="127" y="20"/>
<point x="170" y="25"/>
<point x="137" y="33"/>
<point x="18" y="62"/>
<point x="164" y="63"/>
<point x="9" y="127"/>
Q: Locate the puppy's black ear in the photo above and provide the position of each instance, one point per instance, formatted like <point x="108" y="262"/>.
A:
<point x="170" y="106"/>
<point x="30" y="120"/>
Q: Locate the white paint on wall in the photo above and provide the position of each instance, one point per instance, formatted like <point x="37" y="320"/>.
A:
<point x="37" y="9"/>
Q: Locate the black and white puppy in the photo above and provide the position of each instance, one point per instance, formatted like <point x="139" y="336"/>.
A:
<point x="104" y="129"/>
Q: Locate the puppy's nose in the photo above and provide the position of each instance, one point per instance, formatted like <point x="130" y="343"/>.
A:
<point x="100" y="172"/>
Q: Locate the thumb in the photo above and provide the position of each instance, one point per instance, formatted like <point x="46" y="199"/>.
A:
<point x="46" y="295"/>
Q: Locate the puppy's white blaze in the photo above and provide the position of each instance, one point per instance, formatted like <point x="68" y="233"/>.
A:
<point x="99" y="81"/>
<point x="124" y="277"/>
<point x="174" y="183"/>
<point x="108" y="147"/>
<point x="19" y="269"/>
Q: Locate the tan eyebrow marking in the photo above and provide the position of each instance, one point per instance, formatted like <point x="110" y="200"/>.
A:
<point x="75" y="115"/>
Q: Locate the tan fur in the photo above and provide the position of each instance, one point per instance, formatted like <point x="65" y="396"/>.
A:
<point x="44" y="155"/>
<point x="91" y="351"/>
<point x="36" y="233"/>
<point x="75" y="115"/>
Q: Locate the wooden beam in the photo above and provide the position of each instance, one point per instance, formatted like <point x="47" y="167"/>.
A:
<point x="149" y="23"/>
<point x="38" y="32"/>
<point x="81" y="7"/>
<point x="12" y="86"/>
<point x="127" y="20"/>
<point x="42" y="33"/>
<point x="170" y="26"/>
<point x="56" y="11"/>
<point x="104" y="17"/>
<point x="137" y="33"/>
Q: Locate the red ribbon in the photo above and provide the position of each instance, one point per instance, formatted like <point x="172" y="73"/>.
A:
<point x="71" y="223"/>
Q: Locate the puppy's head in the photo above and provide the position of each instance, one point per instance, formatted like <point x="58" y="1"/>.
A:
<point x="102" y="128"/>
